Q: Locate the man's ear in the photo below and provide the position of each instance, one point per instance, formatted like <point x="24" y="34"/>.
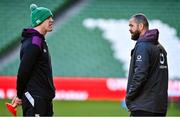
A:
<point x="141" y="26"/>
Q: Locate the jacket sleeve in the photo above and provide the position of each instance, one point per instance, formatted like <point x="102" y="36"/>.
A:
<point x="28" y="61"/>
<point x="141" y="68"/>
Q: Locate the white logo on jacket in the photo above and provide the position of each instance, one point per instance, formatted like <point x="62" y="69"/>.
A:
<point x="162" y="61"/>
<point x="44" y="50"/>
<point x="139" y="58"/>
<point x="162" y="58"/>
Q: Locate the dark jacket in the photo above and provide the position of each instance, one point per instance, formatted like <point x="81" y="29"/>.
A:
<point x="35" y="72"/>
<point x="148" y="75"/>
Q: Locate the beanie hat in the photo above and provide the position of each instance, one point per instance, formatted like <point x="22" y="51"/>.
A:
<point x="39" y="14"/>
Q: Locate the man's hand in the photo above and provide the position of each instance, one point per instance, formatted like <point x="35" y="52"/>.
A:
<point x="16" y="101"/>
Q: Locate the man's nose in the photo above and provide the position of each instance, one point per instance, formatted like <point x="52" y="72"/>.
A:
<point x="51" y="19"/>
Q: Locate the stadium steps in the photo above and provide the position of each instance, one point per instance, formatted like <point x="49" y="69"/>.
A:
<point x="77" y="51"/>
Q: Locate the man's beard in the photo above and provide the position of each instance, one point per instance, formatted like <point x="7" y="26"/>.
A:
<point x="135" y="35"/>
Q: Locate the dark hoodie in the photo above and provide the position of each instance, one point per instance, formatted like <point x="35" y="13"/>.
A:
<point x="148" y="75"/>
<point x="35" y="72"/>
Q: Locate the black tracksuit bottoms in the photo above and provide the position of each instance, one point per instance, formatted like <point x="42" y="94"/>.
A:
<point x="42" y="107"/>
<point x="140" y="113"/>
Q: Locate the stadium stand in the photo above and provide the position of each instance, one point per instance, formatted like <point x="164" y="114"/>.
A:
<point x="15" y="16"/>
<point x="77" y="51"/>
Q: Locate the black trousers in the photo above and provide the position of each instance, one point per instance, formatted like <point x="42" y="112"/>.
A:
<point x="42" y="107"/>
<point x="140" y="113"/>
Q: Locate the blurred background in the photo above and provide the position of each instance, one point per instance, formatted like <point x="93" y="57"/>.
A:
<point x="90" y="51"/>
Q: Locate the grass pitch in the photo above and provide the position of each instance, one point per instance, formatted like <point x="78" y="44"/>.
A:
<point x="88" y="108"/>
